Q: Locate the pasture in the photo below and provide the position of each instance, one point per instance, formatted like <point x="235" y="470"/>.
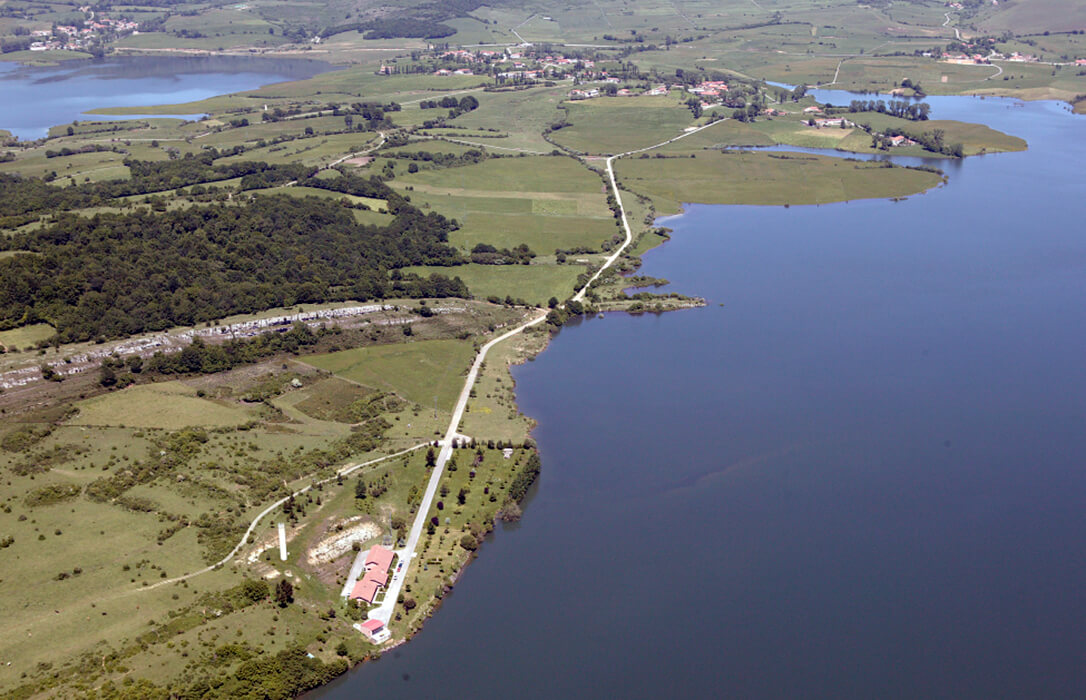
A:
<point x="165" y="405"/>
<point x="544" y="202"/>
<point x="533" y="283"/>
<point x="609" y="125"/>
<point x="766" y="179"/>
<point x="420" y="372"/>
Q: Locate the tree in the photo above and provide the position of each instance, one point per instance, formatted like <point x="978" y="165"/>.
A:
<point x="255" y="591"/>
<point x="284" y="593"/>
<point x="469" y="542"/>
<point x="552" y="302"/>
<point x="431" y="458"/>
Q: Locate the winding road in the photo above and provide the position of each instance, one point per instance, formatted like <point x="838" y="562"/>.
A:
<point x="264" y="513"/>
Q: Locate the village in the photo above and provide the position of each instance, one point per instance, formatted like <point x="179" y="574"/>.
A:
<point x="94" y="30"/>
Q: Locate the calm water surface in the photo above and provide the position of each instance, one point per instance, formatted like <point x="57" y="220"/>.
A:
<point x="36" y="98"/>
<point x="859" y="473"/>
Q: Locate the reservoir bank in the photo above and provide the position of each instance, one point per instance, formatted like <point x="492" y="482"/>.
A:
<point x="857" y="473"/>
<point x="36" y="97"/>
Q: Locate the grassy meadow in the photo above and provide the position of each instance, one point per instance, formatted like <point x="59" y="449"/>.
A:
<point x="766" y="179"/>
<point x="423" y="372"/>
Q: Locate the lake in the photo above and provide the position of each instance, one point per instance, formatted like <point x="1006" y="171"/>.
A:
<point x="858" y="473"/>
<point x="36" y="98"/>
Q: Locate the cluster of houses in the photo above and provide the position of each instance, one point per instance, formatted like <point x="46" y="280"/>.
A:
<point x="980" y="59"/>
<point x="517" y="64"/>
<point x="374" y="578"/>
<point x="822" y="122"/>
<point x="75" y="38"/>
<point x="710" y="92"/>
<point x="900" y="140"/>
<point x="587" y="93"/>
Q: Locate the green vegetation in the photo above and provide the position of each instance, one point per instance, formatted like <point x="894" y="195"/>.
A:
<point x="424" y="373"/>
<point x="272" y="251"/>
<point x="644" y="121"/>
<point x="532" y="283"/>
<point x="167" y="405"/>
<point x="385" y="181"/>
<point x="766" y="178"/>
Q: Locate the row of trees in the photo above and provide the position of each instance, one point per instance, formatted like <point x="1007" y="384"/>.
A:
<point x="914" y="111"/>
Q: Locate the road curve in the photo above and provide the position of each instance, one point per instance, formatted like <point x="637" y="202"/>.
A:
<point x="252" y="526"/>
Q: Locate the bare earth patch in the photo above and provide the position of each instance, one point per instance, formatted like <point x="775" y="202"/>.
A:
<point x="357" y="529"/>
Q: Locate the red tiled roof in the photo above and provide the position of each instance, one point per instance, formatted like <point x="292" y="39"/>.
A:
<point x="379" y="558"/>
<point x="359" y="591"/>
<point x="372" y="625"/>
<point x="366" y="589"/>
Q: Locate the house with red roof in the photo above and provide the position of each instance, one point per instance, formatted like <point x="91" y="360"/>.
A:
<point x="374" y="630"/>
<point x="375" y="576"/>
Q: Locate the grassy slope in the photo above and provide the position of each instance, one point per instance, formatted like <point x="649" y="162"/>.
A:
<point x="617" y="124"/>
<point x="416" y="371"/>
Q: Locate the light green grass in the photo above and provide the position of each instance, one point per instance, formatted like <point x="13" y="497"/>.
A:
<point x="26" y="336"/>
<point x="975" y="138"/>
<point x="619" y="124"/>
<point x="377" y="205"/>
<point x="543" y="202"/>
<point x="168" y="405"/>
<point x="766" y="178"/>
<point x="528" y="174"/>
<point x="533" y="283"/>
<point x="417" y="371"/>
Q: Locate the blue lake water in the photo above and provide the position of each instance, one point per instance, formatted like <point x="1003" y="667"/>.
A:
<point x="858" y="473"/>
<point x="36" y="98"/>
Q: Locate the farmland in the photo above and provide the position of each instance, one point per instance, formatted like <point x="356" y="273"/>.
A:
<point x="452" y="207"/>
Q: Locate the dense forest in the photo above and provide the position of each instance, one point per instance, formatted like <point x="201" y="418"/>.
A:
<point x="113" y="275"/>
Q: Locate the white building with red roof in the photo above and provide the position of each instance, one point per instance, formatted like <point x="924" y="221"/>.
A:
<point x="374" y="630"/>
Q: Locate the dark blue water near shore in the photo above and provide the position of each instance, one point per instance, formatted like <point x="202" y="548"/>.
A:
<point x="859" y="473"/>
<point x="36" y="98"/>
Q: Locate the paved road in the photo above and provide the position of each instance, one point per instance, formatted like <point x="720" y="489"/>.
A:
<point x="385" y="610"/>
<point x="579" y="296"/>
<point x="387" y="607"/>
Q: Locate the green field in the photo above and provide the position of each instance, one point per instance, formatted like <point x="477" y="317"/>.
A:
<point x="168" y="405"/>
<point x="533" y="283"/>
<point x="26" y="337"/>
<point x="420" y="372"/>
<point x="617" y="124"/>
<point x="975" y="138"/>
<point x="766" y="178"/>
<point x="544" y="202"/>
